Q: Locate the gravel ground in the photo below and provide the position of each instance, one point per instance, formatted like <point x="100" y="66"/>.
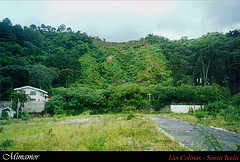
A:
<point x="194" y="136"/>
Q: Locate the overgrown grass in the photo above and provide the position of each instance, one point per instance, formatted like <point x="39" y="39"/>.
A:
<point x="85" y="133"/>
<point x="208" y="120"/>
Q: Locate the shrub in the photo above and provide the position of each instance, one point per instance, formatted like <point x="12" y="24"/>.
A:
<point x="231" y="114"/>
<point x="130" y="115"/>
<point x="74" y="100"/>
<point x="199" y="114"/>
<point x="25" y="116"/>
<point x="211" y="93"/>
<point x="129" y="109"/>
<point x="4" y="115"/>
<point x="235" y="100"/>
<point x="189" y="94"/>
<point x="7" y="143"/>
<point x="215" y="107"/>
<point x="58" y="110"/>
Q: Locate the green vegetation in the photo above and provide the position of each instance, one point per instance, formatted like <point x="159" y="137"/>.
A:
<point x="223" y="114"/>
<point x="85" y="133"/>
<point x="85" y="75"/>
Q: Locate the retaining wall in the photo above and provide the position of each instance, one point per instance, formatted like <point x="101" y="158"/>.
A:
<point x="184" y="108"/>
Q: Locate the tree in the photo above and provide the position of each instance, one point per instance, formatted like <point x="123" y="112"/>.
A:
<point x="69" y="29"/>
<point x="178" y="67"/>
<point x="33" y="26"/>
<point x="19" y="75"/>
<point x="66" y="77"/>
<point x="7" y="21"/>
<point x="42" y="76"/>
<point x="19" y="96"/>
<point x="6" y="85"/>
<point x="43" y="27"/>
<point x="208" y="49"/>
<point x="49" y="28"/>
<point x="61" y="28"/>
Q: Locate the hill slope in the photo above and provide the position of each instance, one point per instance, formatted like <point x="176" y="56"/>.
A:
<point x="45" y="58"/>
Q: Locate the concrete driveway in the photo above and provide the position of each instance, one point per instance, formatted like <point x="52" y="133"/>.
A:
<point x="197" y="137"/>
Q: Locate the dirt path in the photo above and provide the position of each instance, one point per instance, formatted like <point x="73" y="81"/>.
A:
<point x="197" y="137"/>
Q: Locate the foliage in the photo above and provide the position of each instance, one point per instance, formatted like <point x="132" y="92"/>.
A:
<point x="130" y="115"/>
<point x="25" y="116"/>
<point x="4" y="116"/>
<point x="116" y="75"/>
<point x="129" y="109"/>
<point x="199" y="114"/>
<point x="235" y="100"/>
<point x="7" y="143"/>
<point x="188" y="94"/>
<point x="78" y="99"/>
<point x="209" y="138"/>
<point x="75" y="134"/>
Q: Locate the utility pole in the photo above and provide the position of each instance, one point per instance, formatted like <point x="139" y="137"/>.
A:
<point x="11" y="104"/>
<point x="17" y="108"/>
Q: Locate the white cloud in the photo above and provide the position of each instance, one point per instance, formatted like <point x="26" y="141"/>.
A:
<point x="127" y="20"/>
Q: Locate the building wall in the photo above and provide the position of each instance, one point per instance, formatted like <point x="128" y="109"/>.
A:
<point x="5" y="103"/>
<point x="34" y="106"/>
<point x="30" y="107"/>
<point x="38" y="97"/>
<point x="183" y="108"/>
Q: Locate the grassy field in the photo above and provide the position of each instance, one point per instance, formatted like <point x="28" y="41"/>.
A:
<point x="85" y="133"/>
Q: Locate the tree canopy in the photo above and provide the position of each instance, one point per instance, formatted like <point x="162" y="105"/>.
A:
<point x="49" y="57"/>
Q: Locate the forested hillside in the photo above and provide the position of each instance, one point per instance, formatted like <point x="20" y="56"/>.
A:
<point x="86" y="71"/>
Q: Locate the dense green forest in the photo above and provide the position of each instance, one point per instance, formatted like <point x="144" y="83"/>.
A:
<point x="81" y="72"/>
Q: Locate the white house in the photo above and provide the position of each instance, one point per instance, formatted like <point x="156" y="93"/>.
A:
<point x="35" y="94"/>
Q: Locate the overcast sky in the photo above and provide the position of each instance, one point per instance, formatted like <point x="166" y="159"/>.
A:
<point x="120" y="21"/>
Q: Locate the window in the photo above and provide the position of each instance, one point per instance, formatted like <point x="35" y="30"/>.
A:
<point x="32" y="92"/>
<point x="33" y="99"/>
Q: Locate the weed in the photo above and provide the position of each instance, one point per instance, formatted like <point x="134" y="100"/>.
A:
<point x="1" y="129"/>
<point x="209" y="138"/>
<point x="25" y="116"/>
<point x="238" y="147"/>
<point x="49" y="137"/>
<point x="130" y="115"/>
<point x="7" y="143"/>
<point x="199" y="114"/>
<point x="108" y="133"/>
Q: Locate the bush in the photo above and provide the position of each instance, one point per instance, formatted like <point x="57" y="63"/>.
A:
<point x="211" y="93"/>
<point x="189" y="94"/>
<point x="4" y="115"/>
<point x="129" y="109"/>
<point x="214" y="108"/>
<point x="231" y="114"/>
<point x="130" y="115"/>
<point x="235" y="100"/>
<point x="74" y="100"/>
<point x="25" y="116"/>
<point x="7" y="143"/>
<point x="199" y="114"/>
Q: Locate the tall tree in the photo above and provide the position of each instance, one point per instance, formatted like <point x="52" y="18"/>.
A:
<point x="19" y="75"/>
<point x="61" y="28"/>
<point x="33" y="26"/>
<point x="208" y="49"/>
<point x="7" y="21"/>
<point x="42" y="76"/>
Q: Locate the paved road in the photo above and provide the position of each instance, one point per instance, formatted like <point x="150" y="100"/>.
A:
<point x="190" y="135"/>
